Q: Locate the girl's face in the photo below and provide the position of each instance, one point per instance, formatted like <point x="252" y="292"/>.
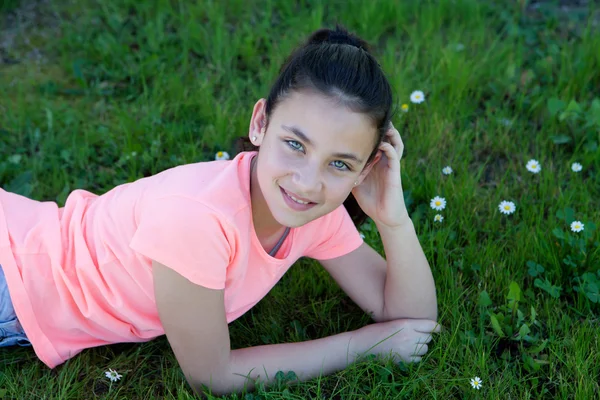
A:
<point x="310" y="156"/>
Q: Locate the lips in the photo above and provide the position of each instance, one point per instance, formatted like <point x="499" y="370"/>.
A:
<point x="295" y="196"/>
<point x="294" y="205"/>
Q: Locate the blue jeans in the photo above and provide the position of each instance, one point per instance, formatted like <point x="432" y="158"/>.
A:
<point x="11" y="332"/>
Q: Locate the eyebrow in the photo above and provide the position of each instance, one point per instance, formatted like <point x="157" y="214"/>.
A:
<point x="303" y="137"/>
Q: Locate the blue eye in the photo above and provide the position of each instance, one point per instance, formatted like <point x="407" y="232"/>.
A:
<point x="293" y="143"/>
<point x="341" y="165"/>
<point x="297" y="146"/>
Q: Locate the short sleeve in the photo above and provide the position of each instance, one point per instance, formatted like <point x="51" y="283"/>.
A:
<point x="186" y="236"/>
<point x="336" y="236"/>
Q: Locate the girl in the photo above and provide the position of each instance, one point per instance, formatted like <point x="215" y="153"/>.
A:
<point x="189" y="250"/>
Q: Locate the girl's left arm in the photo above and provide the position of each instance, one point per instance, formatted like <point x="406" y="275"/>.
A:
<point x="409" y="290"/>
<point x="400" y="287"/>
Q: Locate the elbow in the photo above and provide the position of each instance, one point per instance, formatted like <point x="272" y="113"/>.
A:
<point x="216" y="385"/>
<point x="204" y="390"/>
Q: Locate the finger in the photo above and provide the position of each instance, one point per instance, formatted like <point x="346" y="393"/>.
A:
<point x="425" y="339"/>
<point x="390" y="153"/>
<point x="427" y="326"/>
<point x="393" y="137"/>
<point x="421" y="349"/>
<point x="414" y="359"/>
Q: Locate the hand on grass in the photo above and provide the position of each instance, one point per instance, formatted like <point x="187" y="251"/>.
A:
<point x="404" y="339"/>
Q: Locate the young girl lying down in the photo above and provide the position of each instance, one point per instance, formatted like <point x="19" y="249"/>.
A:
<point x="190" y="249"/>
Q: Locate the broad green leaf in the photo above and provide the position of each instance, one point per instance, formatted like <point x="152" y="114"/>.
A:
<point x="558" y="233"/>
<point x="573" y="107"/>
<point x="484" y="299"/>
<point x="548" y="287"/>
<point x="555" y="106"/>
<point x="539" y="348"/>
<point x="569" y="215"/>
<point x="496" y="325"/>
<point x="523" y="331"/>
<point x="514" y="292"/>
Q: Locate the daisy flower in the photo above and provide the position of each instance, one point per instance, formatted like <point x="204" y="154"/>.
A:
<point x="417" y="97"/>
<point x="476" y="383"/>
<point x="533" y="166"/>
<point x="506" y="207"/>
<point x="438" y="203"/>
<point x="576" y="167"/>
<point x="576" y="226"/>
<point x="222" y="155"/>
<point x="447" y="170"/>
<point x="112" y="375"/>
<point x="438" y="218"/>
<point x="404" y="107"/>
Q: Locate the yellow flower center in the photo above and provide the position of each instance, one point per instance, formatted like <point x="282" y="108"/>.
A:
<point x="437" y="203"/>
<point x="507" y="207"/>
<point x="220" y="154"/>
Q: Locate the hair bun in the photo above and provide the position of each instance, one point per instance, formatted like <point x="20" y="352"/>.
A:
<point x="338" y="36"/>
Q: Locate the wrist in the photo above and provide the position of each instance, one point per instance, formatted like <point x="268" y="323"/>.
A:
<point x="358" y="343"/>
<point x="403" y="223"/>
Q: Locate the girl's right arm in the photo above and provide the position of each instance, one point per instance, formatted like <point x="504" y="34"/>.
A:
<point x="194" y="321"/>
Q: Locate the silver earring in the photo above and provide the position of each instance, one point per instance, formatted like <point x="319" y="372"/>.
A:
<point x="254" y="138"/>
<point x="355" y="183"/>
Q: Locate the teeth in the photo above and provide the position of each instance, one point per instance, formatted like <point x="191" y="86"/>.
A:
<point x="296" y="200"/>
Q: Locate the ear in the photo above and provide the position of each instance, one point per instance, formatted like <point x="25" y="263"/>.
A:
<point x="258" y="123"/>
<point x="369" y="166"/>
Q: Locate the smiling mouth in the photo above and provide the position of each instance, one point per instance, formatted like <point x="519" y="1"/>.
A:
<point x="296" y="199"/>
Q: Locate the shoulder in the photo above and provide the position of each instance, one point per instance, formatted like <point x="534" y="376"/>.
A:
<point x="219" y="186"/>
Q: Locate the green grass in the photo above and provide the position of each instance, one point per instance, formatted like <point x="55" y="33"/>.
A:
<point x="175" y="81"/>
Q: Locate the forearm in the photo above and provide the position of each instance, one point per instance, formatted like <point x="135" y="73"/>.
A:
<point x="409" y="290"/>
<point x="307" y="360"/>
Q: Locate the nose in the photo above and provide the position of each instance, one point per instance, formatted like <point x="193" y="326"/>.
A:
<point x="307" y="180"/>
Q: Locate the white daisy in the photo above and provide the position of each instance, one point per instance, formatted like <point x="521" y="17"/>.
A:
<point x="438" y="203"/>
<point x="476" y="383"/>
<point x="533" y="166"/>
<point x="438" y="218"/>
<point x="222" y="155"/>
<point x="506" y="207"/>
<point x="112" y="375"/>
<point x="447" y="170"/>
<point x="576" y="226"/>
<point x="404" y="107"/>
<point x="417" y="96"/>
<point x="576" y="167"/>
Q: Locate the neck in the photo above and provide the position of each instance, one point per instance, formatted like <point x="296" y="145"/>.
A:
<point x="265" y="225"/>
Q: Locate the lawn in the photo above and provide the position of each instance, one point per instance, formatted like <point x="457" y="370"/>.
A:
<point x="95" y="93"/>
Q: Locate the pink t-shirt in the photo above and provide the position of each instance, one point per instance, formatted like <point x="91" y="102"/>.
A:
<point x="81" y="276"/>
